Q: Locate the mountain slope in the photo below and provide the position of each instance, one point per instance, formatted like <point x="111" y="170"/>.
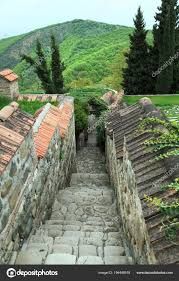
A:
<point x="92" y="52"/>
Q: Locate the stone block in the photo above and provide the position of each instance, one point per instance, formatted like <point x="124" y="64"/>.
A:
<point x="114" y="251"/>
<point x="60" y="259"/>
<point x="90" y="260"/>
<point x="73" y="241"/>
<point x="74" y="234"/>
<point x="116" y="260"/>
<point x="71" y="228"/>
<point x="62" y="249"/>
<point x="87" y="250"/>
<point x="29" y="257"/>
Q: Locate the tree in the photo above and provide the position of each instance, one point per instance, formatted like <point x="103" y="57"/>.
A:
<point x="41" y="68"/>
<point x="166" y="24"/>
<point x="136" y="75"/>
<point x="57" y="67"/>
<point x="51" y="78"/>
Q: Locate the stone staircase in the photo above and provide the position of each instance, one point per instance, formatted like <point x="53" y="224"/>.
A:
<point x="84" y="227"/>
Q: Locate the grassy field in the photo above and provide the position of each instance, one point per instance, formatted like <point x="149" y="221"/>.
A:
<point x="158" y="100"/>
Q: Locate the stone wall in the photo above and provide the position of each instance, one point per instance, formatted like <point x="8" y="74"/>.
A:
<point x="14" y="89"/>
<point x="123" y="179"/>
<point x="5" y="88"/>
<point x="29" y="185"/>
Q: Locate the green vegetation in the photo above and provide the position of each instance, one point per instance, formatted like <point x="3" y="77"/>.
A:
<point x="28" y="106"/>
<point x="158" y="100"/>
<point x="93" y="54"/>
<point x="137" y="74"/>
<point x="172" y="112"/>
<point x="51" y="78"/>
<point x="165" y="140"/>
<point x="166" y="29"/>
<point x="32" y="106"/>
<point x="4" y="101"/>
<point x="84" y="97"/>
<point x="81" y="116"/>
<point x="8" y="42"/>
<point x="57" y="67"/>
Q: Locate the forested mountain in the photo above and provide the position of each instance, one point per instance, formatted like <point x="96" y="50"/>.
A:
<point x="93" y="53"/>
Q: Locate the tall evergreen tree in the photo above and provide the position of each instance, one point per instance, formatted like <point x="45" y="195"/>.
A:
<point x="166" y="21"/>
<point x="154" y="60"/>
<point x="136" y="75"/>
<point x="41" y="68"/>
<point x="57" y="67"/>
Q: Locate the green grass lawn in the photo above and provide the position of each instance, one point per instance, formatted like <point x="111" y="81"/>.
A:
<point x="164" y="100"/>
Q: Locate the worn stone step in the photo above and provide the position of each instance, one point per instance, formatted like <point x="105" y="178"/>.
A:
<point x="90" y="260"/>
<point x="57" y="258"/>
<point x="62" y="249"/>
<point x="114" y="251"/>
<point x="114" y="260"/>
<point x="91" y="222"/>
<point x="100" y="179"/>
<point x="30" y="256"/>
<point x="88" y="226"/>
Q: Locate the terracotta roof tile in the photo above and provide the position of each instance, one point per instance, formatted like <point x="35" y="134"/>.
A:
<point x="55" y="118"/>
<point x="14" y="126"/>
<point x="9" y="75"/>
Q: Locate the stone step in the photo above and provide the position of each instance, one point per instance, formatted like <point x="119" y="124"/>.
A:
<point x="91" y="260"/>
<point x="89" y="222"/>
<point x="113" y="260"/>
<point x="30" y="256"/>
<point x="61" y="228"/>
<point x="57" y="258"/>
<point x="98" y="179"/>
<point x="90" y="187"/>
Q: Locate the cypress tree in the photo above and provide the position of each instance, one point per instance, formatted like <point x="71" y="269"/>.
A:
<point x="166" y="20"/>
<point x="136" y="75"/>
<point x="57" y="68"/>
<point x="154" y="60"/>
<point x="41" y="68"/>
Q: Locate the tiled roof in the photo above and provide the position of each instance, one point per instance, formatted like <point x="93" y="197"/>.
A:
<point x="14" y="126"/>
<point x="40" y="97"/>
<point x="55" y="118"/>
<point x="9" y="75"/>
<point x="148" y="171"/>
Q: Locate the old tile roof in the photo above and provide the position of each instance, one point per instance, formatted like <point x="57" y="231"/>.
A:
<point x="40" y="97"/>
<point x="14" y="126"/>
<point x="149" y="174"/>
<point x="56" y="117"/>
<point x="9" y="75"/>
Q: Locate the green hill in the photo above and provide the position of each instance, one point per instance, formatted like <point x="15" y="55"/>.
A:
<point x="93" y="53"/>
